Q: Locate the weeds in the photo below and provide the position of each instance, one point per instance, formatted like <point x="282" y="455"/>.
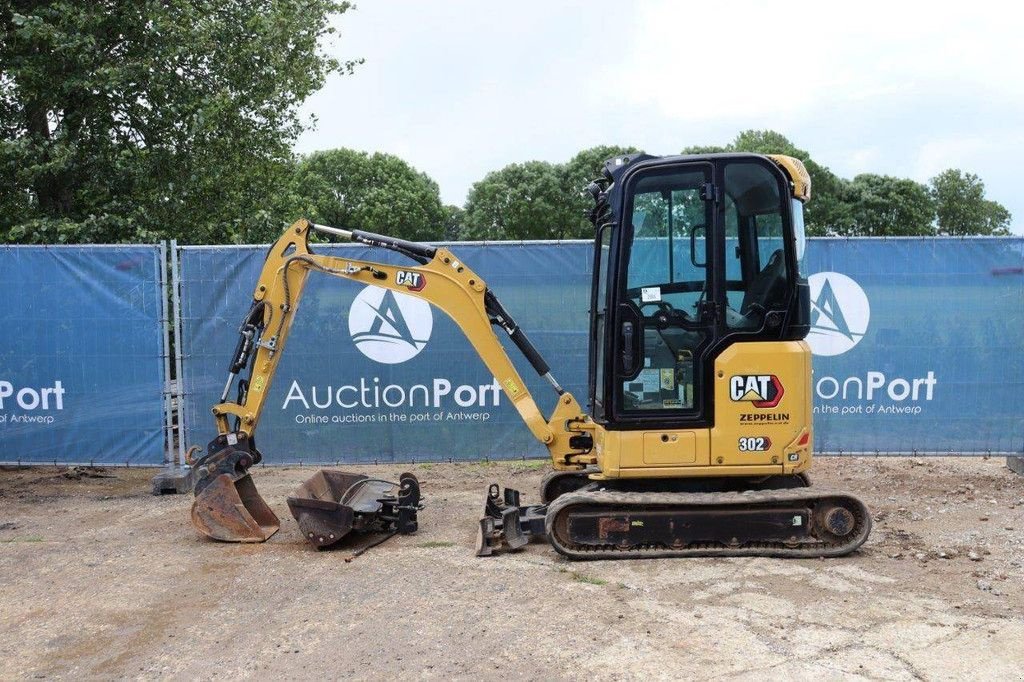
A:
<point x="530" y="465"/>
<point x="590" y="580"/>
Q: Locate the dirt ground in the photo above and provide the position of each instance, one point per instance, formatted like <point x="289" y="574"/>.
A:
<point x="102" y="580"/>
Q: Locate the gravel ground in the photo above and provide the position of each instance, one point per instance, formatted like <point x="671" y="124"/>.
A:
<point x="102" y="580"/>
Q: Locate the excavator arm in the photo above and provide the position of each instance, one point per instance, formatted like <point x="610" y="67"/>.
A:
<point x="439" y="278"/>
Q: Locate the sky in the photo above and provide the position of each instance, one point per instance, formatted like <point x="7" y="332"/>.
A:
<point x="459" y="88"/>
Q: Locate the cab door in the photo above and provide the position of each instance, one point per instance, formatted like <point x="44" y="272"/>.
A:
<point x="663" y="303"/>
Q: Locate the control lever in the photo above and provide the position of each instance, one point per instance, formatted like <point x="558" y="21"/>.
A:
<point x="627" y="347"/>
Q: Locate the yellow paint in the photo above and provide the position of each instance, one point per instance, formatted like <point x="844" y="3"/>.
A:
<point x="798" y="175"/>
<point x="782" y="424"/>
<point x="670" y="447"/>
<point x="452" y="287"/>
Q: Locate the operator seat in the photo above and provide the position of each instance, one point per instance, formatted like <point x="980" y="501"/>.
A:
<point x="766" y="291"/>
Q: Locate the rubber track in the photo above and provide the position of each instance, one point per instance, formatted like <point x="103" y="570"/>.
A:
<point x="624" y="501"/>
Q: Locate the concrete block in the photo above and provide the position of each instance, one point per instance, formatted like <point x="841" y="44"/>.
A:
<point x="1015" y="464"/>
<point x="174" y="480"/>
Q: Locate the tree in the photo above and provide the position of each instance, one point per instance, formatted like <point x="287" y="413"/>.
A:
<point x="377" y="193"/>
<point x="961" y="207"/>
<point x="132" y="121"/>
<point x="828" y="210"/>
<point x="520" y="201"/>
<point x="579" y="172"/>
<point x="705" y="149"/>
<point x="882" y="205"/>
<point x="454" y="223"/>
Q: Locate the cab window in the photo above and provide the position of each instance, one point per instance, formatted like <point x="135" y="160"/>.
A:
<point x="757" y="280"/>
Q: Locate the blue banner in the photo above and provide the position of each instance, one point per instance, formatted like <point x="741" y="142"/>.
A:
<point x="81" y="366"/>
<point x="917" y="342"/>
<point x="346" y="392"/>
<point x="918" y="345"/>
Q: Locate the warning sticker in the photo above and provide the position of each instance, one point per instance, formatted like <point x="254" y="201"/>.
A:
<point x="668" y="379"/>
<point x="512" y="387"/>
<point x="650" y="294"/>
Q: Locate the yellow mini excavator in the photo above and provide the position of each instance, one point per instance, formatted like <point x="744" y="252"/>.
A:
<point x="698" y="435"/>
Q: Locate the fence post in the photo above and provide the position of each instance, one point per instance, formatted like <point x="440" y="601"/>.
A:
<point x="166" y="353"/>
<point x="176" y="476"/>
<point x="178" y="353"/>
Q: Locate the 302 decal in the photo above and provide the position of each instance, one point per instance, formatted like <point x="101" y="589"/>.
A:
<point x="755" y="444"/>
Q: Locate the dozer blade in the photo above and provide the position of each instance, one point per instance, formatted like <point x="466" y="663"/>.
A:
<point x="232" y="511"/>
<point x="505" y="524"/>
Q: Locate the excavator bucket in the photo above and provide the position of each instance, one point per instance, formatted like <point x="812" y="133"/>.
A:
<point x="333" y="503"/>
<point x="232" y="511"/>
<point x="227" y="506"/>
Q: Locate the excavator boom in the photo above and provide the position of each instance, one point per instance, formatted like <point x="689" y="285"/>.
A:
<point x="227" y="506"/>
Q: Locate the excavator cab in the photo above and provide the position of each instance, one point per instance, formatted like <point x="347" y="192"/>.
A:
<point x="700" y="398"/>
<point x="706" y="254"/>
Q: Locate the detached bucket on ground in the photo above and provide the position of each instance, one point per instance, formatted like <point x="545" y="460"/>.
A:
<point x="332" y="504"/>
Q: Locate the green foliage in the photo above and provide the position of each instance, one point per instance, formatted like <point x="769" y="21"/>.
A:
<point x="590" y="580"/>
<point x="580" y="171"/>
<point x="828" y="211"/>
<point x="961" y="206"/>
<point x="373" y="192"/>
<point x="520" y="201"/>
<point x="537" y="199"/>
<point x="705" y="149"/>
<point x="877" y="205"/>
<point x="135" y="121"/>
<point x="882" y="205"/>
<point x="454" y="222"/>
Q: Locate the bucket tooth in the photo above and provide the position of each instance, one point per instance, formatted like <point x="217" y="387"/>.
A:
<point x="231" y="510"/>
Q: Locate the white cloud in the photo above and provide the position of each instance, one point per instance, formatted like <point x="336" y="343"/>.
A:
<point x="937" y="155"/>
<point x="745" y="60"/>
<point x="459" y="87"/>
<point x="866" y="160"/>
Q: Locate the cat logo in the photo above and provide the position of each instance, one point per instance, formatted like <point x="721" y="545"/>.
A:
<point x="413" y="281"/>
<point x="763" y="390"/>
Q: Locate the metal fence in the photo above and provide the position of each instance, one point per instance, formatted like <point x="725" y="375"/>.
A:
<point x="82" y="354"/>
<point x="918" y="349"/>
